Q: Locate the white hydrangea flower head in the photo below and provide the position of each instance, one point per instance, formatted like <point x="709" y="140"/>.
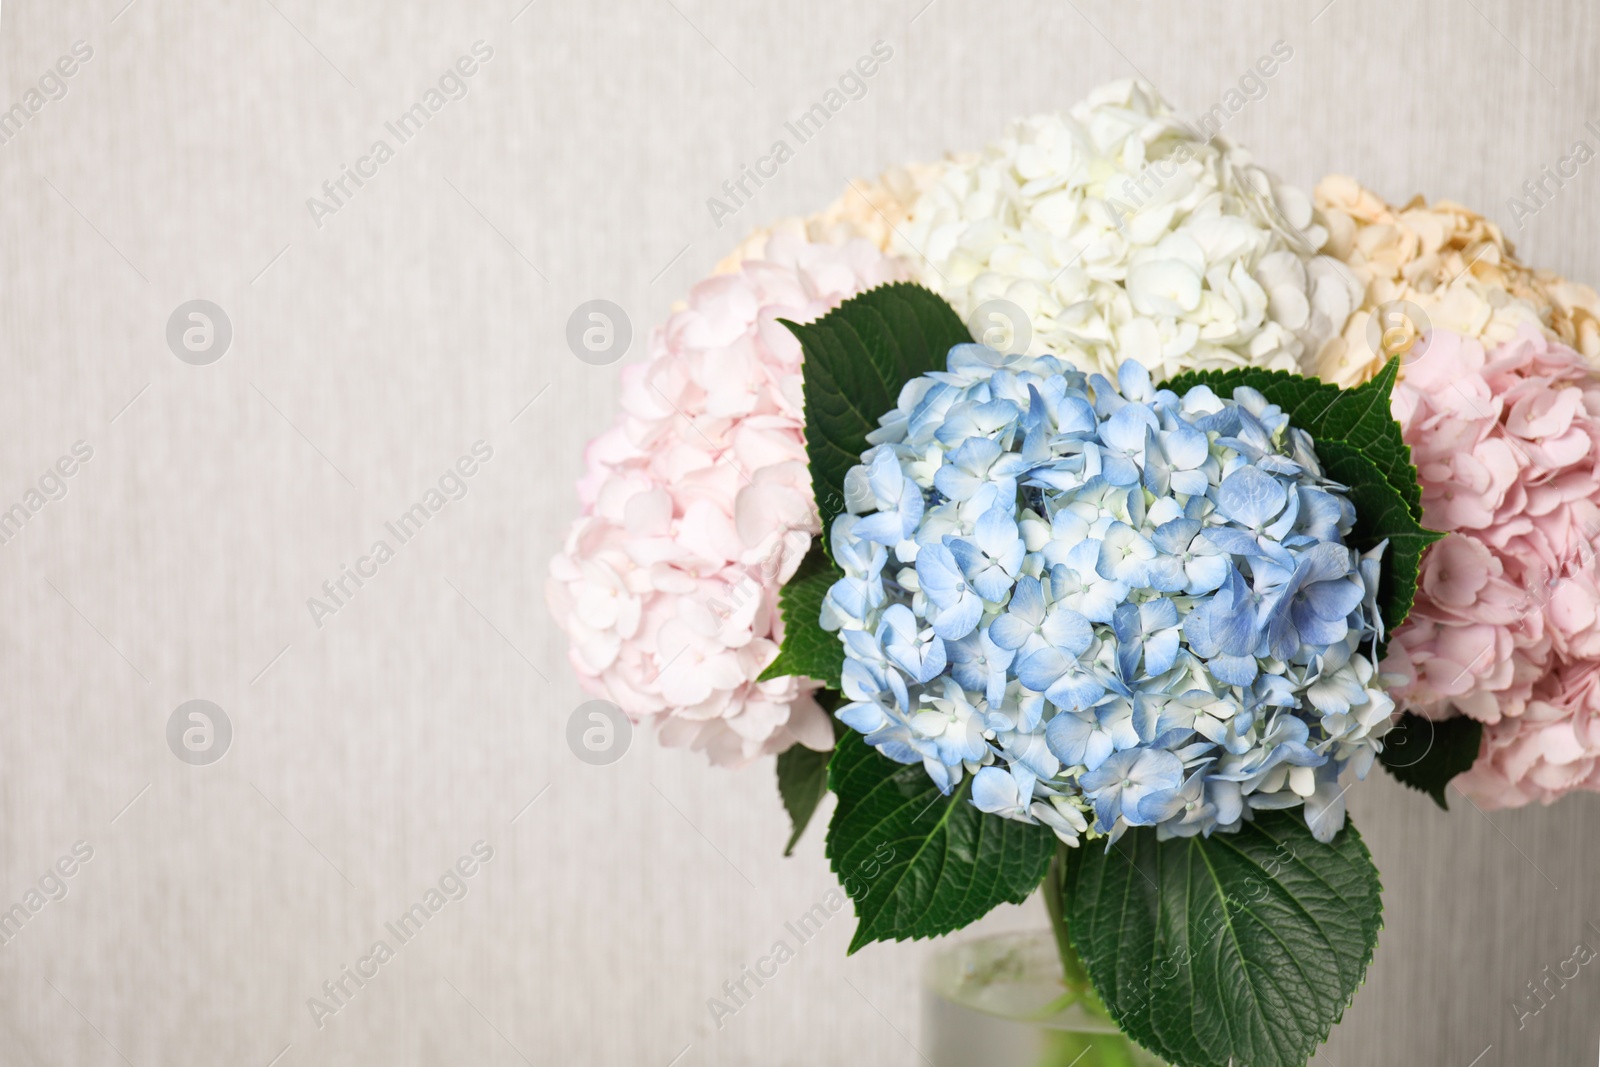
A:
<point x="1121" y="232"/>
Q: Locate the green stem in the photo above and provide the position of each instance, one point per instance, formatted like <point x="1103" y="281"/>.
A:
<point x="1065" y="1048"/>
<point x="1072" y="972"/>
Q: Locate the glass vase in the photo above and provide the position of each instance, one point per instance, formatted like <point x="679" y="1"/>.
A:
<point x="1001" y="1001"/>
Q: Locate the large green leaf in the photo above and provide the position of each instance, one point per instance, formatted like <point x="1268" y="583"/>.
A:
<point x="1242" y="947"/>
<point x="1381" y="514"/>
<point x="918" y="863"/>
<point x="808" y="651"/>
<point x="1427" y="753"/>
<point x="857" y="358"/>
<point x="1360" y="416"/>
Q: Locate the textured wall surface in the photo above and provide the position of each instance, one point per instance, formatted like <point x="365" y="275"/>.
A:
<point x="373" y="346"/>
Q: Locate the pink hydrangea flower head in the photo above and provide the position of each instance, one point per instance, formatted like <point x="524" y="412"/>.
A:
<point x="1551" y="749"/>
<point x="697" y="507"/>
<point x="1506" y="625"/>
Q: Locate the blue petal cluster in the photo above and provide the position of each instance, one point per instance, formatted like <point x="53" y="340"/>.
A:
<point x="1112" y="606"/>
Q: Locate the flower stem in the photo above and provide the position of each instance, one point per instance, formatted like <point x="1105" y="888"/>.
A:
<point x="1072" y="972"/>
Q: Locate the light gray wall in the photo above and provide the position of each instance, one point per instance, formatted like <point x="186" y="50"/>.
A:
<point x="371" y="352"/>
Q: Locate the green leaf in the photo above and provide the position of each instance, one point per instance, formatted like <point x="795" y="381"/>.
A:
<point x="1361" y="416"/>
<point x="802" y="783"/>
<point x="1242" y="947"/>
<point x="1427" y="753"/>
<point x="918" y="863"/>
<point x="857" y="358"/>
<point x="808" y="651"/>
<point x="1381" y="513"/>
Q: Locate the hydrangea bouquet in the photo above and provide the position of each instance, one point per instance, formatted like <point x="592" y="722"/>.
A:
<point x="1120" y="599"/>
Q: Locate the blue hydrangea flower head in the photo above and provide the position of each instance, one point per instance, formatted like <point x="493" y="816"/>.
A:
<point x="1106" y="604"/>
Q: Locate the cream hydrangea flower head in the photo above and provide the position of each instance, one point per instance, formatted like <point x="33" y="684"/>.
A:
<point x="1121" y="232"/>
<point x="1450" y="262"/>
